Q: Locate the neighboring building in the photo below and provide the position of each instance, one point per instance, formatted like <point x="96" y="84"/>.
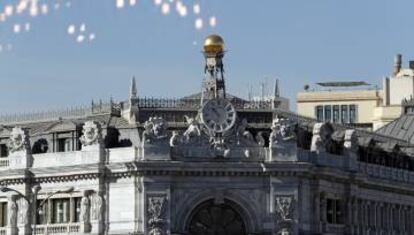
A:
<point x="369" y="108"/>
<point x="340" y="102"/>
<point x="209" y="163"/>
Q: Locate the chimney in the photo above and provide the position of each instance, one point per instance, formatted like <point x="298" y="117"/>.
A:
<point x="397" y="64"/>
<point x="412" y="64"/>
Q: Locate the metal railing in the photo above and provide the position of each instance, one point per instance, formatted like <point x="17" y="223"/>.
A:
<point x="72" y="112"/>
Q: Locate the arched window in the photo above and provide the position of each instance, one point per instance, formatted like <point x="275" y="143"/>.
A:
<point x="216" y="219"/>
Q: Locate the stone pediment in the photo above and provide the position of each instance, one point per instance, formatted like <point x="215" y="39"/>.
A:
<point x="62" y="126"/>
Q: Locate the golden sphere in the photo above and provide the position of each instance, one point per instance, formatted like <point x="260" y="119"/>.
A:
<point x="214" y="44"/>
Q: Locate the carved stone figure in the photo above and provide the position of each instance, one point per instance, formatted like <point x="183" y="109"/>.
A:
<point x="85" y="209"/>
<point x="282" y="131"/>
<point x="242" y="133"/>
<point x="242" y="127"/>
<point x="19" y="140"/>
<point x="96" y="207"/>
<point x="155" y="129"/>
<point x="12" y="211"/>
<point x="351" y="141"/>
<point x="175" y="139"/>
<point x="23" y="211"/>
<point x="92" y="134"/>
<point x="219" y="147"/>
<point x="193" y="130"/>
<point x="260" y="139"/>
<point x="156" y="215"/>
<point x="321" y="137"/>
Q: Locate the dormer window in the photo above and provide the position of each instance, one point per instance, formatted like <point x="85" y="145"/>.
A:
<point x="4" y="151"/>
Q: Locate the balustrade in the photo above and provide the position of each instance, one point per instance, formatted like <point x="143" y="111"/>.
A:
<point x="57" y="229"/>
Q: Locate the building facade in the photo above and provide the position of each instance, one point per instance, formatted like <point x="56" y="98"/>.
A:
<point x="370" y="108"/>
<point x="210" y="163"/>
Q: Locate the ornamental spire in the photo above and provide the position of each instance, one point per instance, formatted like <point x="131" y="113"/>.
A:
<point x="133" y="89"/>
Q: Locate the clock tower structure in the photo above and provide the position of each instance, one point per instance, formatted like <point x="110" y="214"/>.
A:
<point x="213" y="84"/>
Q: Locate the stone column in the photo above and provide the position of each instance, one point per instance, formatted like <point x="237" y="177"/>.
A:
<point x="72" y="210"/>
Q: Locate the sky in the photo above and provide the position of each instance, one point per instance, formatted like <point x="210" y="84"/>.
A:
<point x="73" y="51"/>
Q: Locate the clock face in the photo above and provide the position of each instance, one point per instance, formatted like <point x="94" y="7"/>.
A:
<point x="218" y="115"/>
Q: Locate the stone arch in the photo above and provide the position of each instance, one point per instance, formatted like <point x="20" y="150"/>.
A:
<point x="243" y="206"/>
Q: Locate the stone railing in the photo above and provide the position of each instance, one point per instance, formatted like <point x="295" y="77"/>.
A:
<point x="57" y="229"/>
<point x="195" y="104"/>
<point x="386" y="172"/>
<point x="65" y="158"/>
<point x="3" y="231"/>
<point x="4" y="163"/>
<point x="196" y="153"/>
<point x="115" y="155"/>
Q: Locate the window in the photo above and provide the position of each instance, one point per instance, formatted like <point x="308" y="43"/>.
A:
<point x="344" y="113"/>
<point x="60" y="211"/>
<point x="328" y="113"/>
<point x="319" y="113"/>
<point x="336" y="114"/>
<point x="352" y="113"/>
<point x="64" y="145"/>
<point x="4" y="152"/>
<point x="3" y="214"/>
<point x="334" y="211"/>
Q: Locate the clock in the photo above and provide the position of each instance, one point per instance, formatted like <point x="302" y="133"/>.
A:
<point x="218" y="115"/>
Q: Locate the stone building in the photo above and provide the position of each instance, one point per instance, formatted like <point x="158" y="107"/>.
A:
<point x="209" y="163"/>
<point x="359" y="103"/>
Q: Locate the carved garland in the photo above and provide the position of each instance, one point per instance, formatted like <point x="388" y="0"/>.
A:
<point x="284" y="213"/>
<point x="157" y="214"/>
